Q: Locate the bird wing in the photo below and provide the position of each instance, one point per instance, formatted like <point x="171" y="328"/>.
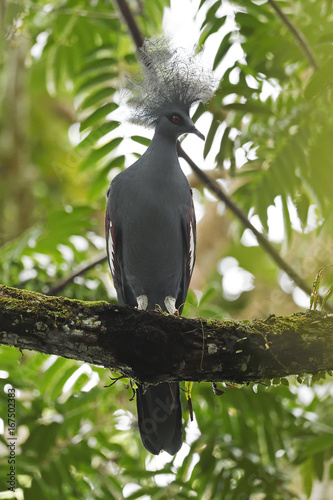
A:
<point x="190" y="246"/>
<point x="113" y="237"/>
<point x="110" y="235"/>
<point x="192" y="240"/>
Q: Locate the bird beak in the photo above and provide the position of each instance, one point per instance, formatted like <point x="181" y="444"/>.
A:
<point x="199" y="134"/>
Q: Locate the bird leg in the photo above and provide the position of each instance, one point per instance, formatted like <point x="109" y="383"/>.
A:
<point x="142" y="301"/>
<point x="170" y="304"/>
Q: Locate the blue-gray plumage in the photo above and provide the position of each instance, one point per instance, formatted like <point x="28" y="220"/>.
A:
<point x="150" y="225"/>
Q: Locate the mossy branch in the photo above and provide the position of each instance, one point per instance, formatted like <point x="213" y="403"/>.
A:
<point x="151" y="347"/>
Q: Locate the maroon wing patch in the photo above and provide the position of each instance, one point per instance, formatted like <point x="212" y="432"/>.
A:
<point x="110" y="248"/>
<point x="192" y="240"/>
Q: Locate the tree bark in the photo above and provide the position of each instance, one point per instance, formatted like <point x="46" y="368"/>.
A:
<point x="152" y="347"/>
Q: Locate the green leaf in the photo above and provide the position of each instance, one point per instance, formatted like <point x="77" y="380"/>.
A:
<point x="51" y="73"/>
<point x="60" y="225"/>
<point x="96" y="65"/>
<point x="222" y="50"/>
<point x="318" y="465"/>
<point x="213" y="27"/>
<point x="210" y="16"/>
<point x="131" y="58"/>
<point x="103" y="50"/>
<point x="199" y="111"/>
<point x="96" y="80"/>
<point x="208" y="294"/>
<point x="248" y="107"/>
<point x="307" y="476"/>
<point x="98" y="115"/>
<point x="210" y="136"/>
<point x="316" y="444"/>
<point x="141" y="140"/>
<point x="109" y="25"/>
<point x="97" y="134"/>
<point x="116" y="162"/>
<point x="286" y="218"/>
<point x="36" y="490"/>
<point x="100" y="182"/>
<point x="320" y="80"/>
<point x="50" y="376"/>
<point x="240" y="89"/>
<point x="265" y="198"/>
<point x="302" y="204"/>
<point x="97" y="154"/>
<point x="328" y="38"/>
<point x="226" y="147"/>
<point x="284" y="163"/>
<point x="98" y="96"/>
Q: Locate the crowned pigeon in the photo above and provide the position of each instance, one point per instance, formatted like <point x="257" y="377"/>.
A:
<point x="150" y="219"/>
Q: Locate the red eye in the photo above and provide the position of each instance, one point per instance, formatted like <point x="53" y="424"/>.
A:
<point x="175" y="119"/>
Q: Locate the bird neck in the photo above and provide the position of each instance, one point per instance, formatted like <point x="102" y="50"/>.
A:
<point x="163" y="144"/>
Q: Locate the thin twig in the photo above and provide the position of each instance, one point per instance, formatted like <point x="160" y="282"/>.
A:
<point x="297" y="34"/>
<point x="83" y="268"/>
<point x="131" y="23"/>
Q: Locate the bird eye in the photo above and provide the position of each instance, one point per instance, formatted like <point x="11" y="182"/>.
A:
<point x="175" y="119"/>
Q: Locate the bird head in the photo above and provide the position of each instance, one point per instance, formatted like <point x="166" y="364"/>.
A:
<point x="169" y="83"/>
<point x="176" y="122"/>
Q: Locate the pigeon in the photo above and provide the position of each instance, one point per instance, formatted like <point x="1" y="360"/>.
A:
<point x="150" y="219"/>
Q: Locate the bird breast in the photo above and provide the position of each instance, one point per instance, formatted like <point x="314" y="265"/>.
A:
<point x="154" y="228"/>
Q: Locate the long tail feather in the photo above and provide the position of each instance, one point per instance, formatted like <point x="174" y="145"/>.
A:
<point x="160" y="417"/>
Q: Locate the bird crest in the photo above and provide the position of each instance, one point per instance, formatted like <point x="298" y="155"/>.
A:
<point x="169" y="77"/>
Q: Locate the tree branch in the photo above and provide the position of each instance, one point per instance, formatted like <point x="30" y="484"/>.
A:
<point x="131" y="23"/>
<point x="151" y="347"/>
<point x="78" y="271"/>
<point x="297" y="34"/>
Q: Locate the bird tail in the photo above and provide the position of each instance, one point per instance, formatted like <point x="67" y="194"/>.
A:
<point x="160" y="417"/>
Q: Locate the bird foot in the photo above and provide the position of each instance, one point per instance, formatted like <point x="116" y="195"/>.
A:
<point x="142" y="301"/>
<point x="170" y="304"/>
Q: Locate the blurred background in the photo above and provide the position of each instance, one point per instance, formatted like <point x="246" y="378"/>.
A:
<point x="64" y="134"/>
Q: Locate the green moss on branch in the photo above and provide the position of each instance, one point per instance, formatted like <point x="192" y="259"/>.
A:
<point x="152" y="347"/>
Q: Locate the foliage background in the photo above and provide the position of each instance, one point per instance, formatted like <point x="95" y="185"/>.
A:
<point x="269" y="140"/>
